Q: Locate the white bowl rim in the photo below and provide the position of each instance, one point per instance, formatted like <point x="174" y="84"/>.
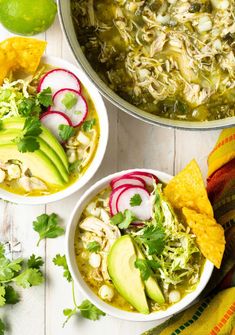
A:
<point x="103" y="140"/>
<point x="86" y="291"/>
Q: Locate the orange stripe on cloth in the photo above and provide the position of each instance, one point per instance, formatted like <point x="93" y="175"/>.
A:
<point x="217" y="328"/>
<point x="223" y="142"/>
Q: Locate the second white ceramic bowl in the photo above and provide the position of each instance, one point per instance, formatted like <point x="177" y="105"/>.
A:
<point x="70" y="255"/>
<point x="104" y="131"/>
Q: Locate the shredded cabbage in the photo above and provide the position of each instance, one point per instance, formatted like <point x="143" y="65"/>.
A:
<point x="180" y="259"/>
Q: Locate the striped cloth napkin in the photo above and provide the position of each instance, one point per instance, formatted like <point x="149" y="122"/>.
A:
<point x="215" y="312"/>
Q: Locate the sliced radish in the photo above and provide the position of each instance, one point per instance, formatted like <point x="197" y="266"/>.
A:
<point x="76" y="113"/>
<point x="147" y="177"/>
<point x="114" y="196"/>
<point x="142" y="212"/>
<point x="57" y="79"/>
<point x="53" y="119"/>
<point x="127" y="179"/>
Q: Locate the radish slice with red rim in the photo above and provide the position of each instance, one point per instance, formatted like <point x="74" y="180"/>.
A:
<point x="143" y="211"/>
<point x="114" y="196"/>
<point x="127" y="179"/>
<point x="57" y="79"/>
<point x="149" y="178"/>
<point x="72" y="103"/>
<point x="52" y="120"/>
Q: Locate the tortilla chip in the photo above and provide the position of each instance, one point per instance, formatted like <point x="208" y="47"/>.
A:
<point x="20" y="53"/>
<point x="209" y="235"/>
<point x="187" y="189"/>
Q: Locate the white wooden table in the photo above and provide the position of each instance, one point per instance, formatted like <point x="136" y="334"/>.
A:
<point x="132" y="144"/>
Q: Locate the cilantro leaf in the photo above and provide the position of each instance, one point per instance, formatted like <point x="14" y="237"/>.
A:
<point x="90" y="311"/>
<point x="117" y="218"/>
<point x="129" y="217"/>
<point x="28" y="107"/>
<point x="45" y="97"/>
<point x="65" y="132"/>
<point x="69" y="100"/>
<point x="136" y="200"/>
<point x="32" y="127"/>
<point x="11" y="296"/>
<point x="8" y="269"/>
<point x="69" y="313"/>
<point x="2" y="327"/>
<point x="27" y="144"/>
<point x="61" y="261"/>
<point x="47" y="226"/>
<point x="2" y="250"/>
<point x="35" y="262"/>
<point x="88" y="125"/>
<point x="2" y="296"/>
<point x="93" y="246"/>
<point x="145" y="266"/>
<point x="154" y="238"/>
<point x="123" y="220"/>
<point x="75" y="166"/>
<point x="28" y="278"/>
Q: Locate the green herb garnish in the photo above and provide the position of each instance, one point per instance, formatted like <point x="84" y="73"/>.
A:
<point x="88" y="125"/>
<point x="145" y="266"/>
<point x="75" y="166"/>
<point x="123" y="220"/>
<point x="154" y="238"/>
<point x="19" y="273"/>
<point x="69" y="100"/>
<point x="28" y="141"/>
<point x="47" y="226"/>
<point x="2" y="327"/>
<point x="61" y="261"/>
<point x="45" y="97"/>
<point x="65" y="132"/>
<point x="93" y="246"/>
<point x="136" y="200"/>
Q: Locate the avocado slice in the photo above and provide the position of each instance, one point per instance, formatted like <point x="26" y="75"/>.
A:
<point x="46" y="135"/>
<point x="126" y="278"/>
<point x="151" y="286"/>
<point x="38" y="163"/>
<point x="7" y="136"/>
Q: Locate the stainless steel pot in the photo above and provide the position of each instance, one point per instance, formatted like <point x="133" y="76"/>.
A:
<point x="69" y="31"/>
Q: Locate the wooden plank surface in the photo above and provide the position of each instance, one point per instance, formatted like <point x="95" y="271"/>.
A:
<point x="132" y="144"/>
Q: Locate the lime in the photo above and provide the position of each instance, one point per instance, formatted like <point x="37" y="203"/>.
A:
<point x="27" y="17"/>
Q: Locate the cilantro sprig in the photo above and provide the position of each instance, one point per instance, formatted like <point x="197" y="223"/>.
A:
<point x="86" y="308"/>
<point x="93" y="246"/>
<point x="88" y="125"/>
<point x="146" y="267"/>
<point x="47" y="226"/>
<point x="17" y="272"/>
<point x="136" y="200"/>
<point x="28" y="142"/>
<point x="61" y="261"/>
<point x="2" y="327"/>
<point x="65" y="132"/>
<point x="153" y="237"/>
<point x="123" y="220"/>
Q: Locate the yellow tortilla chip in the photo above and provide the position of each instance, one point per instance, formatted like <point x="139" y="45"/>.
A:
<point x="209" y="235"/>
<point x="187" y="189"/>
<point x="20" y="53"/>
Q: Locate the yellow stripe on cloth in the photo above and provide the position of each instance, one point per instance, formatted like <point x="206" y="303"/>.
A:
<point x="211" y="315"/>
<point x="223" y="152"/>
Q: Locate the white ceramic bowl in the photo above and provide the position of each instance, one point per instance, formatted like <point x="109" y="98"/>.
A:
<point x="104" y="126"/>
<point x="70" y="255"/>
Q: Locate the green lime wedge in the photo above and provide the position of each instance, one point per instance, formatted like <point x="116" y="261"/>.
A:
<point x="27" y="17"/>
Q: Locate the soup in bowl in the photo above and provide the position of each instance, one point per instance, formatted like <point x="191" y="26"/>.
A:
<point x="53" y="135"/>
<point x="131" y="252"/>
